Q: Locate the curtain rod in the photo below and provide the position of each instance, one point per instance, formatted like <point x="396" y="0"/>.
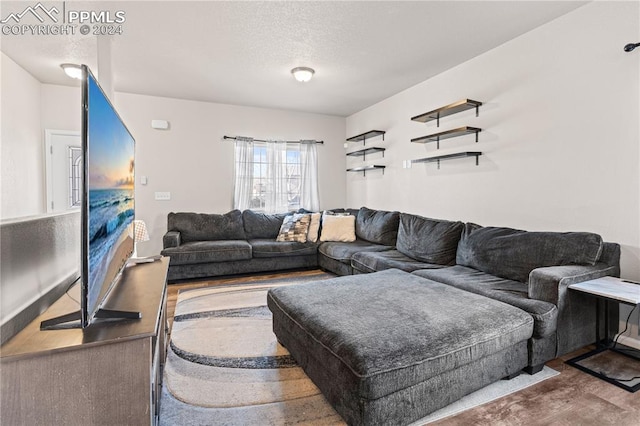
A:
<point x="261" y="140"/>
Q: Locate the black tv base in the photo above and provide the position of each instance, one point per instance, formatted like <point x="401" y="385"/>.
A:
<point x="72" y="320"/>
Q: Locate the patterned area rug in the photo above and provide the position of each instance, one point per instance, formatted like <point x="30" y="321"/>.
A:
<point x="225" y="367"/>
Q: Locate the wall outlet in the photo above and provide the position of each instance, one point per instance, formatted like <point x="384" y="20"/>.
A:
<point x="163" y="196"/>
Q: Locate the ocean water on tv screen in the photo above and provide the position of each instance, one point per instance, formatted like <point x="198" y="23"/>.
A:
<point x="111" y="213"/>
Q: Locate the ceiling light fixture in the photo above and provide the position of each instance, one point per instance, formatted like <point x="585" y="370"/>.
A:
<point x="303" y="74"/>
<point x="72" y="70"/>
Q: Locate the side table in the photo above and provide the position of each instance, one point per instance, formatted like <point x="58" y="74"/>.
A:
<point x="608" y="289"/>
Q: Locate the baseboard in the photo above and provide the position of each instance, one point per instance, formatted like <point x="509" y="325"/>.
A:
<point x="629" y="341"/>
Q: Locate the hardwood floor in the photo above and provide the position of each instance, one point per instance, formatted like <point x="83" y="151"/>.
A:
<point x="571" y="398"/>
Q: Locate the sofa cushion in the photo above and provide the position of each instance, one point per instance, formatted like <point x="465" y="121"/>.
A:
<point x="342" y="252"/>
<point x="262" y="225"/>
<point x="377" y="226"/>
<point x="515" y="293"/>
<point x="338" y="228"/>
<point x="271" y="248"/>
<point x="207" y="227"/>
<point x="294" y="228"/>
<point x="208" y="251"/>
<point x="378" y="261"/>
<point x="428" y="240"/>
<point x="513" y="254"/>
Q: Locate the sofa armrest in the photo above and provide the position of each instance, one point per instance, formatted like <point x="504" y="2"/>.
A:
<point x="576" y="310"/>
<point x="171" y="239"/>
<point x="550" y="283"/>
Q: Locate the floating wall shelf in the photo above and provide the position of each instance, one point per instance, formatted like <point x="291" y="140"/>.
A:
<point x="444" y="111"/>
<point x="449" y="157"/>
<point x="364" y="169"/>
<point x="367" y="135"/>
<point x="437" y="137"/>
<point x="363" y="152"/>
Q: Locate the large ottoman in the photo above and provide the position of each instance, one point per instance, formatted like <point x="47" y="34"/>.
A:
<point x="391" y="347"/>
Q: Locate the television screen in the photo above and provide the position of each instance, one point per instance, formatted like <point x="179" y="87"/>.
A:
<point x="108" y="202"/>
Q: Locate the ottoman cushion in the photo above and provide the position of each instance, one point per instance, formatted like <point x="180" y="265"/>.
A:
<point x="378" y="334"/>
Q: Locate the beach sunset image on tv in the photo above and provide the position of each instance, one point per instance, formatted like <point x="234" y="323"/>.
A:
<point x="110" y="154"/>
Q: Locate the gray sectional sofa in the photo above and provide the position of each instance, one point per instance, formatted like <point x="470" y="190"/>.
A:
<point x="528" y="270"/>
<point x="523" y="276"/>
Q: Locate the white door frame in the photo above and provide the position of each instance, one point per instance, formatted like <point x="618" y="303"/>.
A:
<point x="48" y="136"/>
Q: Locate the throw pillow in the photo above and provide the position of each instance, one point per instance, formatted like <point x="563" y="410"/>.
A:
<point x="338" y="228"/>
<point x="314" y="227"/>
<point x="332" y="213"/>
<point x="294" y="228"/>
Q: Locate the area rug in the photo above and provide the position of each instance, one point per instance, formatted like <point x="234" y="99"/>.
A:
<point x="225" y="367"/>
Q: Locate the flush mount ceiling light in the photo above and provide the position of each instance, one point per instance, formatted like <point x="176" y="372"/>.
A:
<point x="72" y="70"/>
<point x="303" y="74"/>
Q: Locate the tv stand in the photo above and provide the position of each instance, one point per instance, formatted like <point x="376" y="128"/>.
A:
<point x="63" y="321"/>
<point x="110" y="371"/>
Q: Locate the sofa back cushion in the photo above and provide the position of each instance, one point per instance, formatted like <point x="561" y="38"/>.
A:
<point x="207" y="227"/>
<point x="428" y="240"/>
<point x="513" y="253"/>
<point x="261" y="225"/>
<point x="377" y="226"/>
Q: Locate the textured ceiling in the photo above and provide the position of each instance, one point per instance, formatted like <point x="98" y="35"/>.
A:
<point x="242" y="52"/>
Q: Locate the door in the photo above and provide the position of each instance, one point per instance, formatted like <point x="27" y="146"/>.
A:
<point x="63" y="162"/>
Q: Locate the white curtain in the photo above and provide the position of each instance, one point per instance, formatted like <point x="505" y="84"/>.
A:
<point x="243" y="173"/>
<point x="276" y="198"/>
<point x="275" y="181"/>
<point x="309" y="197"/>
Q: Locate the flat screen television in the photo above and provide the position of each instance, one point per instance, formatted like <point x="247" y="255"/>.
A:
<point x="108" y="204"/>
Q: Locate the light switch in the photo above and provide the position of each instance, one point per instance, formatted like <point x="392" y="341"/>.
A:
<point x="163" y="196"/>
<point x="143" y="180"/>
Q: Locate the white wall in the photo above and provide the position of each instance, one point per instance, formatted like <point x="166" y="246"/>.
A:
<point x="191" y="160"/>
<point x="61" y="107"/>
<point x="21" y="148"/>
<point x="560" y="139"/>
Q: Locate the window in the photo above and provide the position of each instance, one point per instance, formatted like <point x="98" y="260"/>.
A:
<point x="275" y="177"/>
<point x="75" y="175"/>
